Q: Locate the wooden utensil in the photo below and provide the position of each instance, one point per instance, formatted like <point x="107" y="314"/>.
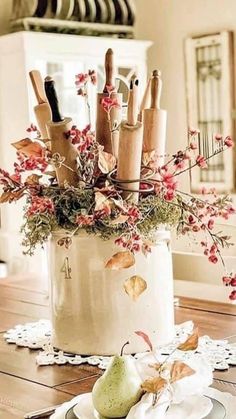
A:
<point x="146" y="100"/>
<point x="154" y="122"/>
<point x="104" y="136"/>
<point x="57" y="128"/>
<point x="42" y="110"/>
<point x="130" y="147"/>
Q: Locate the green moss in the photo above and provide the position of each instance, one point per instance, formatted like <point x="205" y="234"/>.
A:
<point x="71" y="202"/>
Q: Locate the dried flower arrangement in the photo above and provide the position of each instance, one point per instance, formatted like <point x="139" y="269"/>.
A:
<point x="75" y="180"/>
<point x="167" y="372"/>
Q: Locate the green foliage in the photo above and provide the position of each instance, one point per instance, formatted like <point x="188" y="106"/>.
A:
<point x="72" y="202"/>
<point x="157" y="212"/>
<point x="37" y="229"/>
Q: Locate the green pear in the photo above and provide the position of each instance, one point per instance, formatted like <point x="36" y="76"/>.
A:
<point x="118" y="389"/>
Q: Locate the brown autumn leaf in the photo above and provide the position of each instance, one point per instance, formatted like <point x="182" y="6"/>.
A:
<point x="11" y="196"/>
<point x="147" y="157"/>
<point x="101" y="202"/>
<point x="157" y="366"/>
<point x="5" y="197"/>
<point x="22" y="143"/>
<point x="119" y="220"/>
<point x="191" y="343"/>
<point x="106" y="161"/>
<point x="146" y="338"/>
<point x="180" y="370"/>
<point x="154" y="385"/>
<point x="33" y="179"/>
<point x="121" y="260"/>
<point x="135" y="286"/>
<point x="33" y="149"/>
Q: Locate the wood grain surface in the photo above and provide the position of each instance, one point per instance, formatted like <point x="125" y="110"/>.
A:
<point x="25" y="387"/>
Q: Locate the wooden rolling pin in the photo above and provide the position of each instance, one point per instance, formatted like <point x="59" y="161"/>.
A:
<point x="57" y="128"/>
<point x="42" y="110"/>
<point x="154" y="122"/>
<point x="146" y="100"/>
<point x="110" y="141"/>
<point x="130" y="146"/>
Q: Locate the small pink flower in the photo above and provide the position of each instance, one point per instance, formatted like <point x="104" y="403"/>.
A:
<point x="201" y="161"/>
<point x="81" y="79"/>
<point x="193" y="131"/>
<point x="169" y="195"/>
<point x="193" y="146"/>
<point x="40" y="205"/>
<point x="109" y="88"/>
<point x="32" y="128"/>
<point x="228" y="142"/>
<point x="233" y="295"/>
<point x="93" y="76"/>
<point x="179" y="164"/>
<point x="210" y="224"/>
<point x="213" y="259"/>
<point x="108" y="103"/>
<point x="226" y="280"/>
<point x="191" y="219"/>
<point x="218" y="137"/>
<point x="233" y="282"/>
<point x="133" y="213"/>
<point x="213" y="249"/>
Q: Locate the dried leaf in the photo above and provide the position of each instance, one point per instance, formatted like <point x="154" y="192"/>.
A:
<point x="33" y="179"/>
<point x="135" y="286"/>
<point x="5" y="197"/>
<point x="154" y="385"/>
<point x="120" y="219"/>
<point x="119" y="204"/>
<point x="101" y="202"/>
<point x="146" y="339"/>
<point x="29" y="147"/>
<point x="191" y="343"/>
<point x="106" y="161"/>
<point x="147" y="157"/>
<point x="157" y="366"/>
<point x="121" y="260"/>
<point x="33" y="149"/>
<point x="180" y="370"/>
<point x="22" y="143"/>
<point x="11" y="196"/>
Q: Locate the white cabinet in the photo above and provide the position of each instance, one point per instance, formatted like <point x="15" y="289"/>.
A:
<point x="61" y="56"/>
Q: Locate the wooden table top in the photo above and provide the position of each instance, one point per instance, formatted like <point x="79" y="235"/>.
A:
<point x="26" y="387"/>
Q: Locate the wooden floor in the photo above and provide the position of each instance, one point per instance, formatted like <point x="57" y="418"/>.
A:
<point x="25" y="387"/>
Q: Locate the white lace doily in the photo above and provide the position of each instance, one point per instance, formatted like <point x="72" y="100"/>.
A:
<point x="219" y="353"/>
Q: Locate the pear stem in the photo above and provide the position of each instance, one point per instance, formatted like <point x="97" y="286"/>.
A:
<point x="123" y="347"/>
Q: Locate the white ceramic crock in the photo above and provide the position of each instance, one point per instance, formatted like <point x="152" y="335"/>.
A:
<point x="92" y="314"/>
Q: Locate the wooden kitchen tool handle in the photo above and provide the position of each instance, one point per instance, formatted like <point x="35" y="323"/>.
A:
<point x="109" y="69"/>
<point x="53" y="99"/>
<point x="156" y="87"/>
<point x="132" y="111"/>
<point x="146" y="96"/>
<point x="38" y="86"/>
